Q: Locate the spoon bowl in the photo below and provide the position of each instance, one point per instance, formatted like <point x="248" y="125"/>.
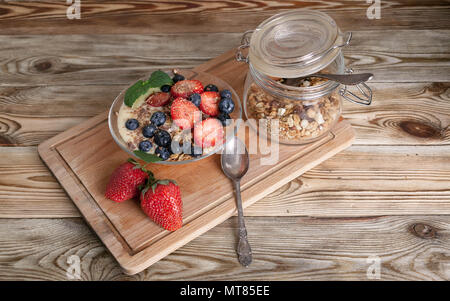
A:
<point x="235" y="159"/>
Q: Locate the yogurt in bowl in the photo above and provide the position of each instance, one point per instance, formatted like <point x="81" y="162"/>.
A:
<point x="174" y="117"/>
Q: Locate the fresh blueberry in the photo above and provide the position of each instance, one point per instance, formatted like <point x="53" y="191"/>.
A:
<point x="158" y="118"/>
<point x="162" y="138"/>
<point x="163" y="152"/>
<point x="225" y="94"/>
<point x="211" y="87"/>
<point x="145" y="145"/>
<point x="195" y="99"/>
<point x="149" y="130"/>
<point x="165" y="88"/>
<point x="132" y="124"/>
<point x="226" y="105"/>
<point x="224" y="118"/>
<point x="177" y="77"/>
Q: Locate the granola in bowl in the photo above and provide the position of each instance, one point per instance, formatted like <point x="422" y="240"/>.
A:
<point x="176" y="118"/>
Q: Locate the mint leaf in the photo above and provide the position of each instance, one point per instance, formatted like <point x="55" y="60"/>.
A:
<point x="135" y="91"/>
<point x="159" y="78"/>
<point x="147" y="157"/>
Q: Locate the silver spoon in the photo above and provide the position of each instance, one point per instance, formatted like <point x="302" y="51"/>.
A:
<point x="235" y="163"/>
<point x="345" y="79"/>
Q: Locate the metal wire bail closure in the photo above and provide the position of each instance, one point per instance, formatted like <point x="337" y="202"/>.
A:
<point x="245" y="43"/>
<point x="364" y="89"/>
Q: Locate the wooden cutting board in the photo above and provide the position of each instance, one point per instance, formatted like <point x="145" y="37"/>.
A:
<point x="83" y="157"/>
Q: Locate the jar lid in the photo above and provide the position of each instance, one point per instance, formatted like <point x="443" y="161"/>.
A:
<point x="295" y="43"/>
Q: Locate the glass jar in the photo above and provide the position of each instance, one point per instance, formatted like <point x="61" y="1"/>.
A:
<point x="286" y="102"/>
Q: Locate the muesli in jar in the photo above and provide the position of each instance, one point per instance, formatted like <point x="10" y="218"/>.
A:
<point x="297" y="120"/>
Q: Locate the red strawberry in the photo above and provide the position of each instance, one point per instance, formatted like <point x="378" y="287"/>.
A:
<point x="184" y="88"/>
<point x="158" y="99"/>
<point x="125" y="181"/>
<point x="210" y="103"/>
<point x="209" y="133"/>
<point x="184" y="113"/>
<point x="161" y="201"/>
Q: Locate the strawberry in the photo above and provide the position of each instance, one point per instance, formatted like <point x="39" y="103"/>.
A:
<point x="158" y="99"/>
<point x="161" y="201"/>
<point x="184" y="113"/>
<point x="125" y="181"/>
<point x="210" y="103"/>
<point x="209" y="133"/>
<point x="184" y="88"/>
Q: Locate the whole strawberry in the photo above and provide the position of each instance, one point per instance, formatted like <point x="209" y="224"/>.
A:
<point x="125" y="181"/>
<point x="161" y="201"/>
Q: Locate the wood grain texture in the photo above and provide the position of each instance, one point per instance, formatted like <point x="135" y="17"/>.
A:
<point x="27" y="60"/>
<point x="386" y="179"/>
<point x="27" y="187"/>
<point x="401" y="113"/>
<point x="113" y="17"/>
<point x="83" y="158"/>
<point x="75" y="69"/>
<point x="402" y="158"/>
<point x="409" y="247"/>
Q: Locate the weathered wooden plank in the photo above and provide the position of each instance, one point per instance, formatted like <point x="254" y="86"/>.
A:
<point x="28" y="189"/>
<point x="363" y="180"/>
<point x="393" y="56"/>
<point x="408" y="247"/>
<point x="401" y="113"/>
<point x="382" y="180"/>
<point x="146" y="17"/>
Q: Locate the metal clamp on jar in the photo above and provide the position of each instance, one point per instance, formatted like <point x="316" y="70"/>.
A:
<point x="295" y="69"/>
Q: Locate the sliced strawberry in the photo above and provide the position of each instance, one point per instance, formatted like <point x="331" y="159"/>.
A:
<point x="184" y="113"/>
<point x="184" y="88"/>
<point x="210" y="103"/>
<point x="209" y="133"/>
<point x="158" y="99"/>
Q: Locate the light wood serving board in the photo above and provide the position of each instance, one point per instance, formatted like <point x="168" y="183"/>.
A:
<point x="83" y="157"/>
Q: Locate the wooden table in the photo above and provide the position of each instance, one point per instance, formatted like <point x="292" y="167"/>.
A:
<point x="386" y="196"/>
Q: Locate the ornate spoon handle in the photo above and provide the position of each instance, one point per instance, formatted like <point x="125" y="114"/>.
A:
<point x="243" y="249"/>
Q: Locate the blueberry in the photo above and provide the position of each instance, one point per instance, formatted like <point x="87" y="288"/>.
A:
<point x="211" y="87"/>
<point x="158" y="118"/>
<point x="132" y="124"/>
<point x="225" y="94"/>
<point x="162" y="138"/>
<point x="195" y="99"/>
<point x="177" y="77"/>
<point x="165" y="88"/>
<point x="149" y="130"/>
<point x="224" y="118"/>
<point x="145" y="145"/>
<point x="163" y="152"/>
<point x="226" y="105"/>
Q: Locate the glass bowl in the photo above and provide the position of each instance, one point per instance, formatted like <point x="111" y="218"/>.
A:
<point x="206" y="79"/>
